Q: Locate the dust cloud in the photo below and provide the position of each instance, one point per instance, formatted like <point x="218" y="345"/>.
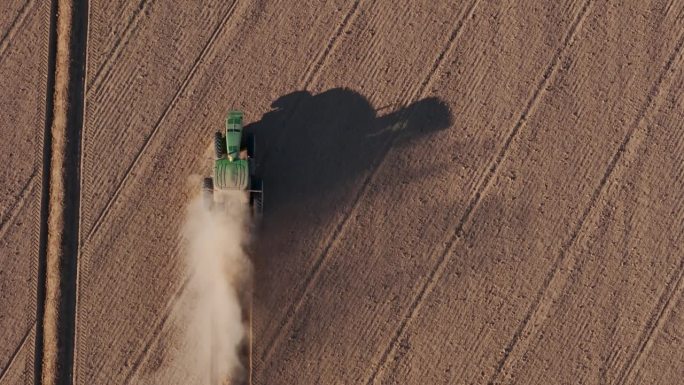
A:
<point x="215" y="329"/>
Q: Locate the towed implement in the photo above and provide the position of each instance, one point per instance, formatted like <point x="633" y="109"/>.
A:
<point x="235" y="166"/>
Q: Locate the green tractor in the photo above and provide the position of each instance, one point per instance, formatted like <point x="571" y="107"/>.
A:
<point x="235" y="165"/>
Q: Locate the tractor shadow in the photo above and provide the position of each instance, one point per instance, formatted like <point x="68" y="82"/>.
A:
<point x="315" y="154"/>
<point x="311" y="148"/>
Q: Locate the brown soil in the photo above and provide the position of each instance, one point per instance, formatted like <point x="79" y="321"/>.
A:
<point x="478" y="192"/>
<point x="24" y="31"/>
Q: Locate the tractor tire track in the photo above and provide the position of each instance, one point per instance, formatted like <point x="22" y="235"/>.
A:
<point x="314" y="69"/>
<point x="16" y="207"/>
<point x="63" y="198"/>
<point x="42" y="220"/>
<point x="655" y="323"/>
<point x="156" y="332"/>
<point x="163" y="320"/>
<point x="312" y="73"/>
<point x="659" y="316"/>
<point x="481" y="190"/>
<point x="540" y="296"/>
<point x="16" y="26"/>
<point x="332" y="240"/>
<point x="188" y="78"/>
<point x="103" y="72"/>
<point x="22" y="345"/>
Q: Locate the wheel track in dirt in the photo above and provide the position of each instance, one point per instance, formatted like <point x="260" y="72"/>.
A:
<point x="146" y="144"/>
<point x="191" y="74"/>
<point x="9" y="218"/>
<point x="156" y="331"/>
<point x="42" y="217"/>
<point x="36" y="180"/>
<point x="661" y="311"/>
<point x="311" y="73"/>
<point x="16" y="26"/>
<point x="615" y="160"/>
<point x="316" y="269"/>
<point x="60" y="207"/>
<point x="655" y="323"/>
<point x="162" y="321"/>
<point x="103" y="72"/>
<point x="22" y="345"/>
<point x="18" y="204"/>
<point x="315" y="69"/>
<point x="480" y="191"/>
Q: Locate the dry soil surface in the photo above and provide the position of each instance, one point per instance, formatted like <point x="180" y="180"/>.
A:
<point x="465" y="192"/>
<point x="24" y="36"/>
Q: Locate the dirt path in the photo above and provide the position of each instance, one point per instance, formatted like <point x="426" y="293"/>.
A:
<point x="63" y="207"/>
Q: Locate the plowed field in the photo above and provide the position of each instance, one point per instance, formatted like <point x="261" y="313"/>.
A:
<point x="467" y="192"/>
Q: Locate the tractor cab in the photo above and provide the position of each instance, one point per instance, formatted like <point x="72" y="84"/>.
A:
<point x="233" y="136"/>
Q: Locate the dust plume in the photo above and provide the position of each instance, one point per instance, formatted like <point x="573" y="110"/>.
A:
<point x="215" y="237"/>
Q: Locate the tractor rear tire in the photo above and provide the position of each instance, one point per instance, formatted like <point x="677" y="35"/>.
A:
<point x="208" y="184"/>
<point x="219" y="145"/>
<point x="256" y="198"/>
<point x="208" y="192"/>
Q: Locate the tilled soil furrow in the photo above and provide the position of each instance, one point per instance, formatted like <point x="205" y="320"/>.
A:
<point x="541" y="297"/>
<point x="314" y="70"/>
<point x="23" y="345"/>
<point x="140" y="68"/>
<point x="436" y="272"/>
<point x="395" y="166"/>
<point x="181" y="90"/>
<point x="16" y="206"/>
<point x="125" y="124"/>
<point x="103" y="72"/>
<point x="661" y="363"/>
<point x="12" y="10"/>
<point x="174" y="225"/>
<point x="563" y="300"/>
<point x="672" y="292"/>
<point x="438" y="64"/>
<point x="333" y="237"/>
<point x="655" y="324"/>
<point x="495" y="252"/>
<point x="156" y="332"/>
<point x="108" y="98"/>
<point x="15" y="27"/>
